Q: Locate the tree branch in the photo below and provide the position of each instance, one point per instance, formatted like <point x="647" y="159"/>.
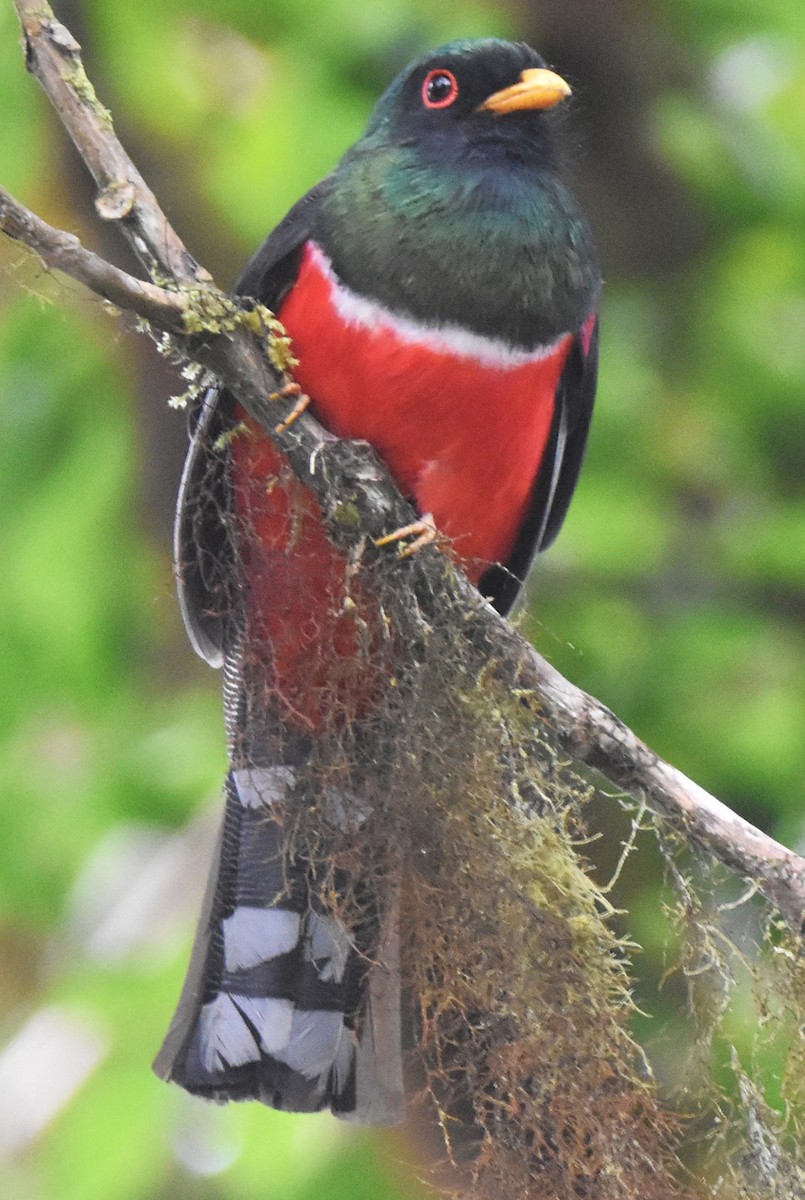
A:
<point x="64" y="252"/>
<point x="244" y="348"/>
<point x="54" y="56"/>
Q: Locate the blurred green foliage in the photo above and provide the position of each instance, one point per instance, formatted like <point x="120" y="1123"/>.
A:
<point x="675" y="593"/>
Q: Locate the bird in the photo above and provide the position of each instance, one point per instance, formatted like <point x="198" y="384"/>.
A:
<point x="440" y="288"/>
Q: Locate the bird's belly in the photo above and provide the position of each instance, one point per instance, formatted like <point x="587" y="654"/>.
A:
<point x="463" y="435"/>
<point x="462" y="421"/>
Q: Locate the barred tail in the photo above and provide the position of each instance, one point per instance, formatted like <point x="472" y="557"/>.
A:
<point x="279" y="1004"/>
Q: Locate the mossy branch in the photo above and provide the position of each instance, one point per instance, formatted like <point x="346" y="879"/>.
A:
<point x="246" y="350"/>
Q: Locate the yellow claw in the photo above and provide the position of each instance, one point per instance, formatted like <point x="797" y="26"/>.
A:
<point x="291" y="389"/>
<point x="423" y="531"/>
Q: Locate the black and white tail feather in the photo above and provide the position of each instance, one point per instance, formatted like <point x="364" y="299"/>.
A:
<point x="282" y="1003"/>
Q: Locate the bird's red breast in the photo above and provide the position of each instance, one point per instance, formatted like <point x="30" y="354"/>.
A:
<point x="462" y="422"/>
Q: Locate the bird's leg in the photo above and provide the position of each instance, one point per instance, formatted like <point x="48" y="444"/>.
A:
<point x="423" y="531"/>
<point x="291" y="389"/>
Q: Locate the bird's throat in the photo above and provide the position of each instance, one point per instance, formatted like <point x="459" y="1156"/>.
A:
<point x="502" y="251"/>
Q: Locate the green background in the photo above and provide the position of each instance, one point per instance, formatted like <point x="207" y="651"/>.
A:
<point x="675" y="593"/>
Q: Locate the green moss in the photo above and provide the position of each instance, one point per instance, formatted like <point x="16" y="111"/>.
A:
<point x="229" y="435"/>
<point x="81" y="85"/>
<point x="211" y="311"/>
<point x="346" y="514"/>
<point x="522" y="984"/>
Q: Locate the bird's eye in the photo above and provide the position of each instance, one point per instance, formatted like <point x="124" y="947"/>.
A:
<point x="440" y="89"/>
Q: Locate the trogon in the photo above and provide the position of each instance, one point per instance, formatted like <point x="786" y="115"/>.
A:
<point x="440" y="288"/>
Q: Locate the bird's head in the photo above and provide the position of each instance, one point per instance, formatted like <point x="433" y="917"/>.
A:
<point x="469" y="96"/>
<point x="451" y="208"/>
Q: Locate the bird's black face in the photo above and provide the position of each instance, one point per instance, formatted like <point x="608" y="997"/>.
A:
<point x="469" y="94"/>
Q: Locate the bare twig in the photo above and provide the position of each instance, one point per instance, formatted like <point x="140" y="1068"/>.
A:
<point x="64" y="252"/>
<point x="54" y="56"/>
<point x="208" y="327"/>
<point x="592" y="734"/>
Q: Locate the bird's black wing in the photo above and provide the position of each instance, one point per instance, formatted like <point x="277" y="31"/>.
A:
<point x="202" y="539"/>
<point x="557" y="477"/>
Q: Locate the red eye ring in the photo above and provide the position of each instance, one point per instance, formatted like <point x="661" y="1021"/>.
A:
<point x="434" y="94"/>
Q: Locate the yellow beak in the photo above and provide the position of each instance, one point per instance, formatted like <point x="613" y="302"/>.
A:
<point x="536" y="88"/>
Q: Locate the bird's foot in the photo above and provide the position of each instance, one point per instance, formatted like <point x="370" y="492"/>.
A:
<point x="291" y="389"/>
<point x="423" y="531"/>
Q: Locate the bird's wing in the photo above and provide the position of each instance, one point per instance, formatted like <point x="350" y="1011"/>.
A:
<point x="202" y="526"/>
<point x="558" y="473"/>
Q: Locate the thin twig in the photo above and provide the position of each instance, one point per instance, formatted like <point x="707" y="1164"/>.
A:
<point x="53" y="55"/>
<point x="64" y="252"/>
<point x="592" y="734"/>
<point x="587" y="730"/>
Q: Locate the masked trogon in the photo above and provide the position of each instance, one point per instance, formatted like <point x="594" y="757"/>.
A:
<point x="440" y="288"/>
